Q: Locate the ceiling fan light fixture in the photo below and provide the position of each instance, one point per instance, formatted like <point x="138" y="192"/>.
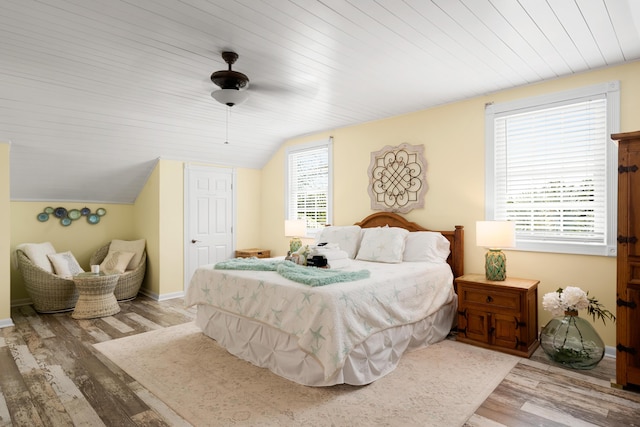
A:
<point x="233" y="84"/>
<point x="230" y="97"/>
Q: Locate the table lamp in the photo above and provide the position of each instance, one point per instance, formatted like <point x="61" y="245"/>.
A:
<point x="496" y="235"/>
<point x="295" y="228"/>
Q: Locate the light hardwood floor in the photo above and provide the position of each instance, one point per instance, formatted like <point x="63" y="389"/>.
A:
<point x="50" y="375"/>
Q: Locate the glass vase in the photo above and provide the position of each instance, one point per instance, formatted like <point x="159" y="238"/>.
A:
<point x="572" y="341"/>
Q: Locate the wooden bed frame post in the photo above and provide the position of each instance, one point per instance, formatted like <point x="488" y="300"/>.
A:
<point x="457" y="263"/>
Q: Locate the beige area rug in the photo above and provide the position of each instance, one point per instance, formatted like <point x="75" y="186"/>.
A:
<point x="441" y="385"/>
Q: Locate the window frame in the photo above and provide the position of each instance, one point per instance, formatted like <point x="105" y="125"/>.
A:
<point x="296" y="149"/>
<point x="611" y="90"/>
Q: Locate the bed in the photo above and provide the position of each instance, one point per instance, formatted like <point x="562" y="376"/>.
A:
<point x="352" y="332"/>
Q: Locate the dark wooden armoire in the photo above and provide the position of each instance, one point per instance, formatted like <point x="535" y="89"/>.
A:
<point x="628" y="262"/>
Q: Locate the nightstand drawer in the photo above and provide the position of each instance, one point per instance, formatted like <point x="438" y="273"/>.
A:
<point x="489" y="298"/>
<point x="253" y="252"/>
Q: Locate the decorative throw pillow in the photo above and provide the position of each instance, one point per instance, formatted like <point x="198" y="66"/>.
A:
<point x="347" y="237"/>
<point x="65" y="264"/>
<point x="429" y="246"/>
<point x="382" y="244"/>
<point x="116" y="262"/>
<point x="38" y="254"/>
<point x="135" y="246"/>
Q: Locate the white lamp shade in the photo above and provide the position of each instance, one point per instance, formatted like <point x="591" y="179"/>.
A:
<point x="295" y="227"/>
<point x="230" y="97"/>
<point x="496" y="234"/>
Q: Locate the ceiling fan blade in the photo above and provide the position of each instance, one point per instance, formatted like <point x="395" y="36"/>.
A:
<point x="301" y="90"/>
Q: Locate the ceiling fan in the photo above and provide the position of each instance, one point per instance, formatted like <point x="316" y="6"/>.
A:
<point x="233" y="84"/>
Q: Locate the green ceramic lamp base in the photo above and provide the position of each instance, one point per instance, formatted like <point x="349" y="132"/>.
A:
<point x="295" y="244"/>
<point x="495" y="265"/>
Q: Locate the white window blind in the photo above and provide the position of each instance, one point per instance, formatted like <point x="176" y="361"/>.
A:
<point x="551" y="173"/>
<point x="308" y="184"/>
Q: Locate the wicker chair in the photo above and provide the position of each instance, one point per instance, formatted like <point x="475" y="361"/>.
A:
<point x="49" y="293"/>
<point x="130" y="281"/>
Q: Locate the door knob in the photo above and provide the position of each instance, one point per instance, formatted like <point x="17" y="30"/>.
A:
<point x="194" y="241"/>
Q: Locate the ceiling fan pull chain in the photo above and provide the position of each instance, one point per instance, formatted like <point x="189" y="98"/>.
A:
<point x="226" y="141"/>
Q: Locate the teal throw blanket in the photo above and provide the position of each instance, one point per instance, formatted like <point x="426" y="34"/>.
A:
<point x="311" y="276"/>
<point x="247" y="264"/>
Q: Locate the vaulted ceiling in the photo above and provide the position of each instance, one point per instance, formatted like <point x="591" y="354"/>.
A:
<point x="93" y="92"/>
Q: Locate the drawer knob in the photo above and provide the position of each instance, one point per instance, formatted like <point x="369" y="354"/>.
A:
<point x="489" y="298"/>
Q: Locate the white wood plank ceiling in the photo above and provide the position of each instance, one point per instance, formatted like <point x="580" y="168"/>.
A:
<point x="93" y="92"/>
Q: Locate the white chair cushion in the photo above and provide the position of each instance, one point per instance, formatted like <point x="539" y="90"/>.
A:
<point x="135" y="246"/>
<point x="116" y="262"/>
<point x="65" y="264"/>
<point x="37" y="253"/>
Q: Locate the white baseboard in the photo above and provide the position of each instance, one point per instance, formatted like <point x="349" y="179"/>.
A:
<point x="172" y="295"/>
<point x="5" y="323"/>
<point x="162" y="297"/>
<point x="609" y="351"/>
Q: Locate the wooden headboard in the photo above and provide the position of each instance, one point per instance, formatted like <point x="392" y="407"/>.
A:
<point x="455" y="237"/>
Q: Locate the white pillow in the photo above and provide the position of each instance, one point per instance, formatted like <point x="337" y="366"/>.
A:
<point x="37" y="254"/>
<point x="65" y="264"/>
<point x="135" y="246"/>
<point x="116" y="262"/>
<point x="382" y="244"/>
<point x="429" y="246"/>
<point x="347" y="237"/>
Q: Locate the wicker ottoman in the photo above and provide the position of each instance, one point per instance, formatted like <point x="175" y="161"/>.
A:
<point x="96" y="297"/>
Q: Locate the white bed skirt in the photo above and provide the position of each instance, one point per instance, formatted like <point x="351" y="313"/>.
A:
<point x="277" y="351"/>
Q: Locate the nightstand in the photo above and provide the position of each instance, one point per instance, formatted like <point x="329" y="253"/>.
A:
<point x="253" y="252"/>
<point x="500" y="315"/>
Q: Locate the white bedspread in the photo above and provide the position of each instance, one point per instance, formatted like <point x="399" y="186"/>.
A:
<point x="328" y="320"/>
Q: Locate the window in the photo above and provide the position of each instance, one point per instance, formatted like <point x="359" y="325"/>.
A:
<point x="308" y="184"/>
<point x="551" y="168"/>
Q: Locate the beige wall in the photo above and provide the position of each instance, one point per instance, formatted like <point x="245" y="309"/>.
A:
<point x="5" y="230"/>
<point x="146" y="221"/>
<point x="171" y="228"/>
<point x="249" y="209"/>
<point x="453" y="138"/>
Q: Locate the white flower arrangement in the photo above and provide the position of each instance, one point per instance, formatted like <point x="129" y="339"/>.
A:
<point x="574" y="299"/>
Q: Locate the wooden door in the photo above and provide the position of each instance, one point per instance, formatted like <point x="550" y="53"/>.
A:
<point x="477" y="325"/>
<point x="505" y="331"/>
<point x="628" y="262"/>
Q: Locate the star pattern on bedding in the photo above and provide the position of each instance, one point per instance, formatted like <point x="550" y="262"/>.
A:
<point x="238" y="299"/>
<point x="277" y="314"/>
<point x="328" y="321"/>
<point x="396" y="293"/>
<point x="254" y="296"/>
<point x="345" y="298"/>
<point x="207" y="292"/>
<point x="306" y="297"/>
<point x="317" y="334"/>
